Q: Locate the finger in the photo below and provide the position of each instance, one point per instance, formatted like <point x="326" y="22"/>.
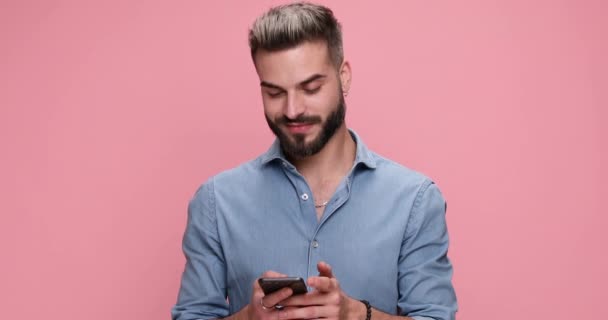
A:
<point x="299" y="300"/>
<point x="312" y="312"/>
<point x="258" y="293"/>
<point x="323" y="284"/>
<point x="271" y="300"/>
<point x="273" y="274"/>
<point x="267" y="274"/>
<point x="324" y="269"/>
<point x="315" y="298"/>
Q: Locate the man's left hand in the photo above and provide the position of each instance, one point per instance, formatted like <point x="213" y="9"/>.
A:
<point x="326" y="301"/>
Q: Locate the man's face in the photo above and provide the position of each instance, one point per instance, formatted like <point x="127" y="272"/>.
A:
<point x="302" y="95"/>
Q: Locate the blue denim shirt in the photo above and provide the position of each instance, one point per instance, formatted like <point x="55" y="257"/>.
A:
<point x="383" y="232"/>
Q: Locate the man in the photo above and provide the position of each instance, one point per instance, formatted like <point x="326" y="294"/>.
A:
<point x="368" y="235"/>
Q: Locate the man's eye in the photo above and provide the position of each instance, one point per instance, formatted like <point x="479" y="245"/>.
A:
<point x="313" y="90"/>
<point x="274" y="94"/>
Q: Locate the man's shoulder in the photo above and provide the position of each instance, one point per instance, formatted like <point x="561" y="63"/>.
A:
<point x="393" y="171"/>
<point x="386" y="170"/>
<point x="242" y="172"/>
<point x="240" y="175"/>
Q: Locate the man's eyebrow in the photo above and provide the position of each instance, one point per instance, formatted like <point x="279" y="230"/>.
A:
<point x="312" y="78"/>
<point x="270" y="85"/>
<point x="308" y="80"/>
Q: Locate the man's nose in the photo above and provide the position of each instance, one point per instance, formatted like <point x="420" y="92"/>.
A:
<point x="294" y="106"/>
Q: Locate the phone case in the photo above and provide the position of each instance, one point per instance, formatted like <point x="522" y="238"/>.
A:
<point x="270" y="285"/>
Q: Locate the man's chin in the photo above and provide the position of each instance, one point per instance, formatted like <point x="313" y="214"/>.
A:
<point x="298" y="146"/>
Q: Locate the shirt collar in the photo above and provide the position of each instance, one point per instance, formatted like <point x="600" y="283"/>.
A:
<point x="363" y="154"/>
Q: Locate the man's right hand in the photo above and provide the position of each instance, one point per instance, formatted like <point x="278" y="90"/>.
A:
<point x="262" y="307"/>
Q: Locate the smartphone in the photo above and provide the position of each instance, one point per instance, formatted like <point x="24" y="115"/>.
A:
<point x="270" y="285"/>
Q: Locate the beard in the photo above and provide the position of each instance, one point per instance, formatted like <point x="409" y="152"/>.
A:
<point x="295" y="145"/>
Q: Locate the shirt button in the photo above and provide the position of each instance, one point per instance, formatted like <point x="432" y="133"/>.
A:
<point x="304" y="196"/>
<point x="315" y="244"/>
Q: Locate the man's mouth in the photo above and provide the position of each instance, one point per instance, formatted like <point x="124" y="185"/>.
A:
<point x="299" y="127"/>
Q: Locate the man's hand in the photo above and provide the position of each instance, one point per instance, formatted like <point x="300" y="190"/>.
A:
<point x="327" y="301"/>
<point x="262" y="307"/>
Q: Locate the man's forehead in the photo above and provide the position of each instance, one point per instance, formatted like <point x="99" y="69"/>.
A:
<point x="293" y="65"/>
<point x="316" y="48"/>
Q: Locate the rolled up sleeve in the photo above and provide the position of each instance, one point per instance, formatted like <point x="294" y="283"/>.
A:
<point x="425" y="272"/>
<point x="202" y="294"/>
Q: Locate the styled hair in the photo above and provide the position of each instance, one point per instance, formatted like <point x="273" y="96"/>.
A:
<point x="289" y="25"/>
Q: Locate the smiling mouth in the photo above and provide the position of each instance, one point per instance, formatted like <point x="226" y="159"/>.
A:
<point x="299" y="127"/>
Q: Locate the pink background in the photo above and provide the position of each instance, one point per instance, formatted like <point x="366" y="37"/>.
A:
<point x="112" y="114"/>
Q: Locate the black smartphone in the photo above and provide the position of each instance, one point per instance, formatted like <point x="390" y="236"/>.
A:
<point x="270" y="285"/>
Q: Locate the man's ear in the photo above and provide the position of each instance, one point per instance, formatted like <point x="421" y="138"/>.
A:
<point x="345" y="76"/>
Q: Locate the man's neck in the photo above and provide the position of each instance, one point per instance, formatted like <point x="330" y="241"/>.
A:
<point x="333" y="161"/>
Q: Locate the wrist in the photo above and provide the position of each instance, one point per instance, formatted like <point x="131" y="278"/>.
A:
<point x="357" y="309"/>
<point x="245" y="314"/>
<point x="368" y="309"/>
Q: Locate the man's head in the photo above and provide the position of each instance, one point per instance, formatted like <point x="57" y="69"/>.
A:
<point x="297" y="52"/>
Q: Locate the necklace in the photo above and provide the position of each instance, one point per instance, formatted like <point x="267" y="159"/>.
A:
<point x="321" y="205"/>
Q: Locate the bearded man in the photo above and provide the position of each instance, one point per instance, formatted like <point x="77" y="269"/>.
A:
<point x="367" y="234"/>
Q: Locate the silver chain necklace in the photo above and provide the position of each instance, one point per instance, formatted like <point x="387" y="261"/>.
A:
<point x="321" y="205"/>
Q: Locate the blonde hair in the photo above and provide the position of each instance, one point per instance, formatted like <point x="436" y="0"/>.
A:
<point x="287" y="26"/>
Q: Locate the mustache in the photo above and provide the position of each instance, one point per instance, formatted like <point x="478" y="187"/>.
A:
<point x="299" y="119"/>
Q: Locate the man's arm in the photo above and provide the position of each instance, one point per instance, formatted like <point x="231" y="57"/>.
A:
<point x="202" y="294"/>
<point x="379" y="315"/>
<point x="425" y="273"/>
<point x="359" y="311"/>
<point x="243" y="314"/>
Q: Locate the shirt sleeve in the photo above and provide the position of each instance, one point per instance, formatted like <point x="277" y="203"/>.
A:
<point x="202" y="294"/>
<point x="425" y="272"/>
